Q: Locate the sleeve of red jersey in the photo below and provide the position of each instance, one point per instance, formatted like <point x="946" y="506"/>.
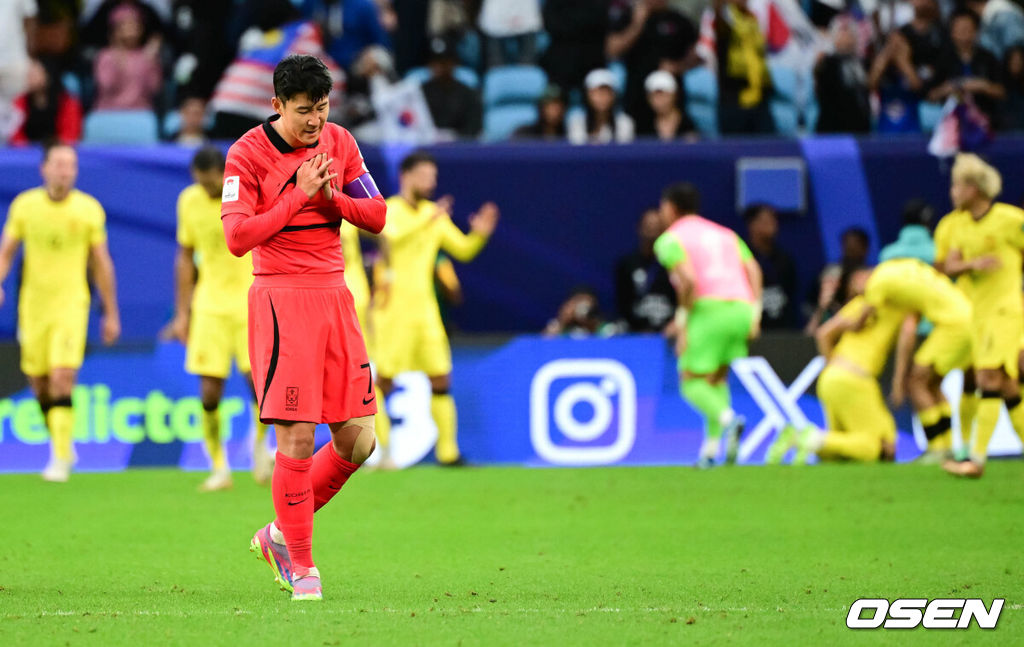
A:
<point x="359" y="201"/>
<point x="244" y="229"/>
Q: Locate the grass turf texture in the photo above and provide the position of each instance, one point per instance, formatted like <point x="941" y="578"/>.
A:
<point x="514" y="556"/>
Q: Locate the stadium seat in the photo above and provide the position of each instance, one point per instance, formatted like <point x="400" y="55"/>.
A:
<point x="619" y="70"/>
<point x="513" y="84"/>
<point x="121" y="127"/>
<point x="784" y="102"/>
<point x="501" y="121"/>
<point x="71" y="83"/>
<point x="929" y="114"/>
<point x="702" y="99"/>
<point x="464" y="74"/>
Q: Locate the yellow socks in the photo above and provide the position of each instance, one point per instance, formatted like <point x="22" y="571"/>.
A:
<point x="968" y="412"/>
<point x="382" y="422"/>
<point x="988" y="416"/>
<point x="936" y="423"/>
<point x="1016" y="411"/>
<point x="60" y="420"/>
<point x="442" y="408"/>
<point x="211" y="434"/>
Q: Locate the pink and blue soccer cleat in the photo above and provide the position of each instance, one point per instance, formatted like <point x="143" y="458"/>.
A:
<point x="307" y="587"/>
<point x="276" y="556"/>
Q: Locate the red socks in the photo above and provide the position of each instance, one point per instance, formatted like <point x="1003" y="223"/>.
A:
<point x="292" y="491"/>
<point x="300" y="487"/>
<point x="330" y="472"/>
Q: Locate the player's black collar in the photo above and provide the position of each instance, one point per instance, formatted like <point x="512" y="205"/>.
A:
<point x="275" y="138"/>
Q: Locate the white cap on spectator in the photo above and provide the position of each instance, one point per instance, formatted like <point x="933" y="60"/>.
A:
<point x="599" y="78"/>
<point x="660" y="81"/>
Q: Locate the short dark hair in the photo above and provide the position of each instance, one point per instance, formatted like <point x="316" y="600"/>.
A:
<point x="964" y="12"/>
<point x="51" y="144"/>
<point x="684" y="196"/>
<point x="302" y="74"/>
<point x="414" y="159"/>
<point x="917" y="212"/>
<point x="857" y="232"/>
<point x="208" y="158"/>
<point x="754" y="210"/>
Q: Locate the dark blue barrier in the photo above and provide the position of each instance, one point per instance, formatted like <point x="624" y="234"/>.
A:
<point x="568" y="212"/>
<point x="529" y="401"/>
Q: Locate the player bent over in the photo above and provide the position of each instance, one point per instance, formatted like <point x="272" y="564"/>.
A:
<point x="858" y="424"/>
<point x="283" y="199"/>
<point x="986" y="257"/>
<point x="210" y="312"/>
<point x="63" y="232"/>
<point x="718" y="284"/>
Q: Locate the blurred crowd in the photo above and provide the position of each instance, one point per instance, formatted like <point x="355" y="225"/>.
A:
<point x="579" y="70"/>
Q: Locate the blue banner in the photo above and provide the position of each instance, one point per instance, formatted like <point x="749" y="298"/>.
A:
<point x="531" y="401"/>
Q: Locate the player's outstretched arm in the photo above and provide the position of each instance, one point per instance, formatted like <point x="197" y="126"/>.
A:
<point x="8" y="248"/>
<point x="106" y="283"/>
<point x="465" y="247"/>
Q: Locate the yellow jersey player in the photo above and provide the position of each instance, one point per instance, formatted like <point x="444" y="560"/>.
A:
<point x="986" y="257"/>
<point x="64" y="232"/>
<point x="408" y="332"/>
<point x="211" y="311"/>
<point x="858" y="424"/>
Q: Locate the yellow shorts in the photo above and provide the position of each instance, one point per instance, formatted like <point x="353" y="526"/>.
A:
<point x="213" y="341"/>
<point x="997" y="342"/>
<point x="52" y="339"/>
<point x="400" y="346"/>
<point x="947" y="347"/>
<point x="854" y="404"/>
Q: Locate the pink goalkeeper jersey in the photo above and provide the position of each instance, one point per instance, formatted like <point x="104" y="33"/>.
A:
<point x="715" y="255"/>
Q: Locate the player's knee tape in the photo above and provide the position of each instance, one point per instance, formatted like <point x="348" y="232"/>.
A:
<point x="994" y="395"/>
<point x="935" y="430"/>
<point x="445" y="391"/>
<point x="365" y="441"/>
<point x="210" y="407"/>
<point x="1012" y="403"/>
<point x="46" y="405"/>
<point x="60" y="402"/>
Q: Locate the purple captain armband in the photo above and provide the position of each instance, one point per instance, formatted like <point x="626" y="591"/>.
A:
<point x="362" y="187"/>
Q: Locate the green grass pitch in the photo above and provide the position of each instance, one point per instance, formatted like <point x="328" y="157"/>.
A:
<point x="509" y="556"/>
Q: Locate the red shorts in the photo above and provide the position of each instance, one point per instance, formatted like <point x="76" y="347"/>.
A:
<point x="309" y="361"/>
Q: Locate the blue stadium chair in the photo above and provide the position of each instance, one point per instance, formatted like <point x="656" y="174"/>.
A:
<point x="513" y="84"/>
<point x="619" y="70"/>
<point x="929" y="114"/>
<point x="501" y="121"/>
<point x="464" y="74"/>
<point x="811" y="113"/>
<point x="702" y="99"/>
<point x="171" y="123"/>
<point x="784" y="102"/>
<point x="71" y="83"/>
<point x="121" y="127"/>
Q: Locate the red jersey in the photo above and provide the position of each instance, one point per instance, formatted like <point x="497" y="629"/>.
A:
<point x="263" y="210"/>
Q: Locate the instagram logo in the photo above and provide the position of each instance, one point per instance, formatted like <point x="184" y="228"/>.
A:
<point x="583" y="411"/>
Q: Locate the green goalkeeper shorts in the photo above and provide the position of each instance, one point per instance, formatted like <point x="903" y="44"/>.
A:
<point x="716" y="334"/>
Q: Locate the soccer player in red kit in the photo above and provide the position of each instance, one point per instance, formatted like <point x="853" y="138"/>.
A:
<point x="288" y="184"/>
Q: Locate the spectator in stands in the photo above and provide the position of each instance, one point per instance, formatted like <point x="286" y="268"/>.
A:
<point x="550" y="124"/>
<point x="46" y="111"/>
<point x="832" y="290"/>
<point x="840" y="83"/>
<point x="968" y="70"/>
<point x="127" y="73"/>
<point x="454" y="106"/>
<point x="577" y="29"/>
<point x="199" y="33"/>
<point x="1002" y="24"/>
<point x="1013" y="76"/>
<point x="744" y="83"/>
<point x="779" y="298"/>
<point x="915" y="238"/>
<point x="670" y="120"/>
<point x="17" y="36"/>
<point x="507" y="23"/>
<point x="648" y="35"/>
<point x="905" y="67"/>
<point x="645" y="298"/>
<point x="192" y="129"/>
<point x="580" y="316"/>
<point x="601" y="122"/>
<point x="410" y="34"/>
<point x="374" y="69"/>
<point x="348" y="26"/>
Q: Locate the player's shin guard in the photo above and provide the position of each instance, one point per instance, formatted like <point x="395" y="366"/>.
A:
<point x="211" y="435"/>
<point x="937" y="425"/>
<point x="330" y="472"/>
<point x="968" y="412"/>
<point x="442" y="408"/>
<point x="292" y="490"/>
<point x="989" y="408"/>
<point x="60" y="420"/>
